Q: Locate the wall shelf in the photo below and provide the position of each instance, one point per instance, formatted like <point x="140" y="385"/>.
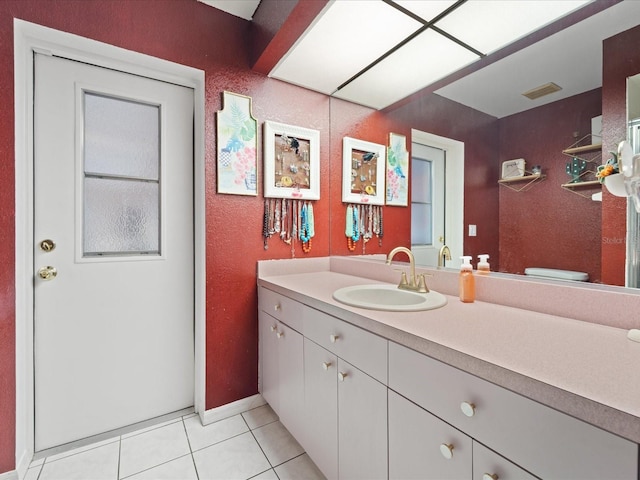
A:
<point x="530" y="179"/>
<point x="592" y="154"/>
<point x="576" y="187"/>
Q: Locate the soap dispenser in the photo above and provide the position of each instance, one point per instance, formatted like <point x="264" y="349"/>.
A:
<point x="467" y="282"/>
<point x="483" y="264"/>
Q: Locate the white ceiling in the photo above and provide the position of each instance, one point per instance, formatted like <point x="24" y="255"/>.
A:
<point x="571" y="58"/>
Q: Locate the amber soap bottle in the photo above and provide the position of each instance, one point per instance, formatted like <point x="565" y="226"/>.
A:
<point x="467" y="281"/>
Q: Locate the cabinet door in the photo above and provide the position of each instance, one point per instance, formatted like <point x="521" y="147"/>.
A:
<point x="362" y="425"/>
<point x="320" y="438"/>
<point x="268" y="360"/>
<point x="488" y="465"/>
<point x="424" y="447"/>
<point x="290" y="379"/>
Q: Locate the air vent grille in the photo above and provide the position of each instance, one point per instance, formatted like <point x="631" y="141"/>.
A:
<point x="542" y="90"/>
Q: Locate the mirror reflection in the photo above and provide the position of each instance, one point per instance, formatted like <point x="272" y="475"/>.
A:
<point x="565" y="219"/>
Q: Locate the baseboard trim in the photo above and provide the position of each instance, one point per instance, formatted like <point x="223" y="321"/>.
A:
<point x="11" y="475"/>
<point x="22" y="465"/>
<point x="230" y="409"/>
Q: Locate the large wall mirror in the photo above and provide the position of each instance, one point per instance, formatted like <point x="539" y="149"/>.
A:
<point x="544" y="224"/>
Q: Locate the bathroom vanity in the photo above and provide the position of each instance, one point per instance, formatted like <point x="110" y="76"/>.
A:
<point x="482" y="390"/>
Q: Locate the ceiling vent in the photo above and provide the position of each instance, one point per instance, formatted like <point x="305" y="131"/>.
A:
<point x="542" y="90"/>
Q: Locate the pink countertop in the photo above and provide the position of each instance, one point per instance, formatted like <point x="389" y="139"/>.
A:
<point x="585" y="369"/>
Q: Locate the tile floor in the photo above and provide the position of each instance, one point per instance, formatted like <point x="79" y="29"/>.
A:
<point x="252" y="445"/>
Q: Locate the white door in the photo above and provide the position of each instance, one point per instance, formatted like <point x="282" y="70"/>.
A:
<point x="427" y="203"/>
<point x="113" y="215"/>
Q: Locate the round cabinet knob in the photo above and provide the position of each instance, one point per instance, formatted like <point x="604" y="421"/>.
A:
<point x="274" y="328"/>
<point x="342" y="376"/>
<point x="277" y="307"/>
<point x="468" y="408"/>
<point x="334" y="338"/>
<point x="326" y="365"/>
<point x="490" y="476"/>
<point x="280" y="334"/>
<point x="446" y="450"/>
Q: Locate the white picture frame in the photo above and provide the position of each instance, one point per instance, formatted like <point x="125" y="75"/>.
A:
<point x="363" y="172"/>
<point x="291" y="162"/>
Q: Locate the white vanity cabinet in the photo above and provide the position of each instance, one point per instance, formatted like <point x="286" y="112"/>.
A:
<point x="281" y="361"/>
<point x="423" y="447"/>
<point x="320" y="439"/>
<point x="543" y="441"/>
<point x="346" y="408"/>
<point x="488" y="465"/>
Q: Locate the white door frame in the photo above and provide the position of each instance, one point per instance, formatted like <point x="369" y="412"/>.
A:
<point x="454" y="187"/>
<point x="28" y="38"/>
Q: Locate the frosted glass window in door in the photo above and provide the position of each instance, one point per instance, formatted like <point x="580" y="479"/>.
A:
<point x="121" y="137"/>
<point x="421" y="202"/>
<point x="121" y="210"/>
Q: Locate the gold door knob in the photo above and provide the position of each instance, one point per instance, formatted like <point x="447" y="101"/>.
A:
<point x="47" y="273"/>
<point x="47" y="245"/>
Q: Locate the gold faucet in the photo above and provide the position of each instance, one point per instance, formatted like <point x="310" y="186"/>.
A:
<point x="416" y="285"/>
<point x="444" y="252"/>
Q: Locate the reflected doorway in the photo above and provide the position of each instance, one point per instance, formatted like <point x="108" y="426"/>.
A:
<point x="451" y="196"/>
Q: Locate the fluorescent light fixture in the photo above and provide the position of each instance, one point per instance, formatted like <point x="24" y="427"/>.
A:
<point x="427" y="58"/>
<point x="426" y="10"/>
<point x="347" y="37"/>
<point x="488" y="25"/>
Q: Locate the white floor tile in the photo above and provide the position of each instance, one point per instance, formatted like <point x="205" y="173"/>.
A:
<point x="179" y="469"/>
<point x="204" y="436"/>
<point x="260" y="416"/>
<point x="300" y="468"/>
<point x="152" y="448"/>
<point x="97" y="464"/>
<point x="278" y="444"/>
<point x="237" y="458"/>
<point x="268" y="475"/>
<point x="33" y="472"/>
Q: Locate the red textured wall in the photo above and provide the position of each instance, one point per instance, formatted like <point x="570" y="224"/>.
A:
<point x="535" y="224"/>
<point x="621" y="59"/>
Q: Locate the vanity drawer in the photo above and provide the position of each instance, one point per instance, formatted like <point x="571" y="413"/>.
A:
<point x="363" y="349"/>
<point x="283" y="308"/>
<point x="543" y="441"/>
<point x="488" y="464"/>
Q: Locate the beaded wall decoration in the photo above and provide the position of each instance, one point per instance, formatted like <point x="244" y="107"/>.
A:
<point x="291" y="220"/>
<point x="363" y="221"/>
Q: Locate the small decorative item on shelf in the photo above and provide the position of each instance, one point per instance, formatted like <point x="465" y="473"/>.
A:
<point x="609" y="168"/>
<point x="575" y="168"/>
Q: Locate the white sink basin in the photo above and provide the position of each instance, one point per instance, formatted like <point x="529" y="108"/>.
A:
<point x="388" y="298"/>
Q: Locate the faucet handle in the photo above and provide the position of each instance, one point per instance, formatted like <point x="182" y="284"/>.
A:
<point x="403" y="277"/>
<point x="422" y="284"/>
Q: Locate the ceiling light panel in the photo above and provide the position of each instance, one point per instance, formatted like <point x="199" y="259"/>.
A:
<point x="426" y="10"/>
<point x="348" y="36"/>
<point x="488" y="25"/>
<point x="424" y="60"/>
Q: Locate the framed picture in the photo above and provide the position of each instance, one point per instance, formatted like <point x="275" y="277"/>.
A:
<point x="397" y="171"/>
<point x="513" y="168"/>
<point x="237" y="162"/>
<point x="291" y="162"/>
<point x="363" y="172"/>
